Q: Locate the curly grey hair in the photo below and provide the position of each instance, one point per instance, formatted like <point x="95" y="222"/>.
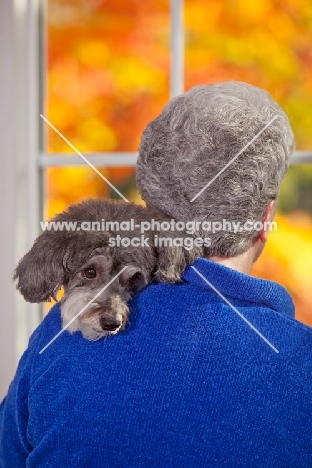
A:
<point x="194" y="137"/>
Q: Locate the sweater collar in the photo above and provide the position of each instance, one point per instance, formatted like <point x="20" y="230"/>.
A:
<point x="232" y="283"/>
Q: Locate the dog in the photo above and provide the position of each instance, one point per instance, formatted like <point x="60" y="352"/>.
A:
<point x="98" y="270"/>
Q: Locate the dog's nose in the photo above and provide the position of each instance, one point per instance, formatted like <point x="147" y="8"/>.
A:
<point x="110" y="324"/>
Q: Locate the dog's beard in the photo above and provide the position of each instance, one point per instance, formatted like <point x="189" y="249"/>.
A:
<point x="88" y="322"/>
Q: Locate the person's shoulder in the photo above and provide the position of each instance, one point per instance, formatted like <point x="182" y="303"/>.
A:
<point x="192" y="303"/>
<point x="159" y="293"/>
<point x="50" y="325"/>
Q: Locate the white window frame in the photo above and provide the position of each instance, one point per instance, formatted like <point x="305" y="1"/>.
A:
<point x="24" y="159"/>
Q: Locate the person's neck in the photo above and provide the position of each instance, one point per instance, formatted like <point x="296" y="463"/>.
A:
<point x="242" y="263"/>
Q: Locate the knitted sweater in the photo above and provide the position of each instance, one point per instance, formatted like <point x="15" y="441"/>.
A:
<point x="188" y="384"/>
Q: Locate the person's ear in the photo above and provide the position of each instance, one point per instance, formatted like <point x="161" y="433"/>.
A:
<point x="267" y="219"/>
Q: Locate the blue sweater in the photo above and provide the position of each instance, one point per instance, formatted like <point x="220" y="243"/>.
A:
<point x="188" y="384"/>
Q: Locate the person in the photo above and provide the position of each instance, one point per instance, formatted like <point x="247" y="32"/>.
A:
<point x="213" y="371"/>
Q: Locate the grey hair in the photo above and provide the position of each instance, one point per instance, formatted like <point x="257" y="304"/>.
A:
<point x="194" y="137"/>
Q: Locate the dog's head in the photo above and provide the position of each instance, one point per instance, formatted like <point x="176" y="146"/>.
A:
<point x="98" y="279"/>
<point x="99" y="291"/>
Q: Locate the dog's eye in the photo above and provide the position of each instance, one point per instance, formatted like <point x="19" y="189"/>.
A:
<point x="90" y="273"/>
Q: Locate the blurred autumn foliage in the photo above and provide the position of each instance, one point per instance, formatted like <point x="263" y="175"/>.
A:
<point x="108" y="75"/>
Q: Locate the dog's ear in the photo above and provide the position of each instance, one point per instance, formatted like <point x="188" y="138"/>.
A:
<point x="40" y="273"/>
<point x="134" y="278"/>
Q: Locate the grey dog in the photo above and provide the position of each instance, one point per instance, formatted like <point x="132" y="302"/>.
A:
<point x="83" y="262"/>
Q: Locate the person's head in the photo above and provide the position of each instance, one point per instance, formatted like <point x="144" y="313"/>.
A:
<point x="196" y="136"/>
